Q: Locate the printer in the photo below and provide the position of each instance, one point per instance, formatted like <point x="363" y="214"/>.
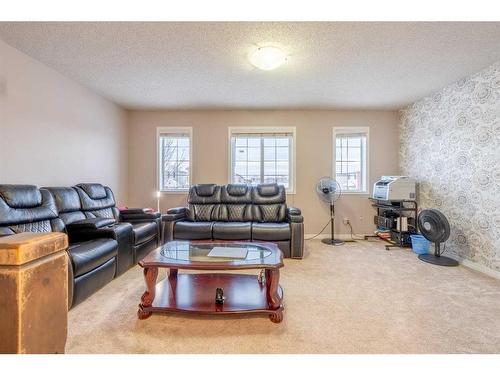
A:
<point x="394" y="188"/>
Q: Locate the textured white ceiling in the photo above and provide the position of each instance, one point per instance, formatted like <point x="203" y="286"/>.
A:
<point x="203" y="65"/>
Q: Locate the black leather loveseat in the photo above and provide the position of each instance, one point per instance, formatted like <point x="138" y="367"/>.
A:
<point x="136" y="231"/>
<point x="238" y="212"/>
<point x="102" y="244"/>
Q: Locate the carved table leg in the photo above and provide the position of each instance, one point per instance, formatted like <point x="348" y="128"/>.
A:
<point x="150" y="275"/>
<point x="172" y="279"/>
<point x="273" y="298"/>
<point x="276" y="317"/>
<point x="172" y="274"/>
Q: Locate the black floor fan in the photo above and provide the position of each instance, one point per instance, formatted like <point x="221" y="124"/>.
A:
<point x="435" y="227"/>
<point x="329" y="190"/>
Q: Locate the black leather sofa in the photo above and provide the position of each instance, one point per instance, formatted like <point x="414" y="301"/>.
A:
<point x="238" y="212"/>
<point x="136" y="231"/>
<point x="101" y="245"/>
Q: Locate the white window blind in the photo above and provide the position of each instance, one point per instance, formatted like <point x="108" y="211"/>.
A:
<point x="351" y="160"/>
<point x="174" y="147"/>
<point x="262" y="158"/>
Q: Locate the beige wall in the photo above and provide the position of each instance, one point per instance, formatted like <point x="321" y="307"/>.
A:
<point x="314" y="155"/>
<point x="56" y="132"/>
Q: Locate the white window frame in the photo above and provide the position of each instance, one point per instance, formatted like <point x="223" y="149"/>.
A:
<point x="180" y="130"/>
<point x="353" y="130"/>
<point x="266" y="130"/>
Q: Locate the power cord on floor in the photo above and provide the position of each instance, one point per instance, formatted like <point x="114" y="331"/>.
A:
<point x="354" y="234"/>
<point x="329" y="221"/>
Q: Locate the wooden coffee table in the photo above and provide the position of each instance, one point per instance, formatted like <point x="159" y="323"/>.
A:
<point x="195" y="292"/>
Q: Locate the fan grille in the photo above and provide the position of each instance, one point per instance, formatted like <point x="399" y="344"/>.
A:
<point x="433" y="225"/>
<point x="328" y="189"/>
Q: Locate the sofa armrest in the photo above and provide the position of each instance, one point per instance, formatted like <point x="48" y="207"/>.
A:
<point x="293" y="211"/>
<point x="177" y="210"/>
<point x="132" y="210"/>
<point x="138" y="214"/>
<point x="174" y="214"/>
<point x="294" y="215"/>
<point x="296" y="220"/>
<point x="92" y="223"/>
<point x="121" y="232"/>
<point x="169" y="219"/>
<point x="85" y="233"/>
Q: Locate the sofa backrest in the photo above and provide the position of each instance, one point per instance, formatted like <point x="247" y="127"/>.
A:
<point x="68" y="204"/>
<point x="269" y="203"/>
<point x="204" y="202"/>
<point x="97" y="201"/>
<point x="237" y="202"/>
<point x="26" y="208"/>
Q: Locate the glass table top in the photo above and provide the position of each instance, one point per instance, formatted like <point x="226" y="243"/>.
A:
<point x="198" y="252"/>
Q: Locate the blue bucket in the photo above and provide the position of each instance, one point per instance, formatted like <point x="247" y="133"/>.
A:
<point x="419" y="244"/>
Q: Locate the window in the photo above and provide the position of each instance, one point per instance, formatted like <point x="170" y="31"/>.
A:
<point x="262" y="156"/>
<point x="350" y="159"/>
<point x="174" y="159"/>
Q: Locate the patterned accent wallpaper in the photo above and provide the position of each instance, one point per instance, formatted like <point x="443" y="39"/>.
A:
<point x="450" y="142"/>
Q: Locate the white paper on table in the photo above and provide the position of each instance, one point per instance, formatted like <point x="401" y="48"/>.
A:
<point x="228" y="252"/>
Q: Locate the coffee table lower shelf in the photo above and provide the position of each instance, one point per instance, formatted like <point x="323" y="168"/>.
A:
<point x="195" y="294"/>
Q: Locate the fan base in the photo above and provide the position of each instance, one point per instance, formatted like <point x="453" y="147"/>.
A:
<point x="438" y="260"/>
<point x="330" y="241"/>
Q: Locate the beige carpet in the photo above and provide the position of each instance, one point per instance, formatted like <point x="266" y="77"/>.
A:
<point x="357" y="298"/>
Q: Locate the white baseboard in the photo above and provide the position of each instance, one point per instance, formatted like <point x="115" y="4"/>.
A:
<point x="480" y="268"/>
<point x="342" y="237"/>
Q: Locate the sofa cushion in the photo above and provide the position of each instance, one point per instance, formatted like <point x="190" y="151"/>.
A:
<point x="269" y="213"/>
<point x="204" y="202"/>
<point x="269" y="203"/>
<point x="205" y="190"/>
<point x="268" y="194"/>
<point x="235" y="212"/>
<point x="236" y="202"/>
<point x="236" y="193"/>
<point x="66" y="198"/>
<point x="144" y="232"/>
<point x="268" y="190"/>
<point x="94" y="223"/>
<point x="25" y="208"/>
<point x="270" y="231"/>
<point x="204" y="194"/>
<point x="232" y="231"/>
<point x="21" y="196"/>
<point x="68" y="204"/>
<point x="94" y="191"/>
<point x="86" y="256"/>
<point x="193" y="230"/>
<point x="203" y="212"/>
<point x="97" y="201"/>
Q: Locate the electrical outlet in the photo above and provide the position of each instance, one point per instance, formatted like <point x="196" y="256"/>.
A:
<point x="347" y="221"/>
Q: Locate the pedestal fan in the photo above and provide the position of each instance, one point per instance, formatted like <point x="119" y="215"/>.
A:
<point x="329" y="190"/>
<point x="435" y="227"/>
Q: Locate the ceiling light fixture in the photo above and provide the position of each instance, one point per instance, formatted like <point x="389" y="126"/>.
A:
<point x="267" y="58"/>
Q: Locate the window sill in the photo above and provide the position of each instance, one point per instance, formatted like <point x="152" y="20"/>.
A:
<point x="355" y="193"/>
<point x="174" y="192"/>
<point x="287" y="192"/>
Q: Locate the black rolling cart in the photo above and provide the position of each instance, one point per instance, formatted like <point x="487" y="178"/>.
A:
<point x="388" y="214"/>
